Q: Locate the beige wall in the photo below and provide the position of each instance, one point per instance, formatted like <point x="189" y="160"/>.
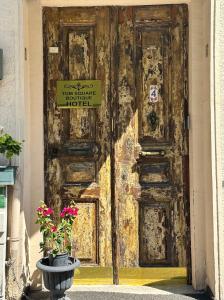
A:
<point x="200" y="137"/>
<point x="34" y="88"/>
<point x="197" y="212"/>
<point x="218" y="141"/>
<point x="108" y="2"/>
<point x="207" y="107"/>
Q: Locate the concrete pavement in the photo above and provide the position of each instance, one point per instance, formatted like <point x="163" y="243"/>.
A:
<point x="125" y="293"/>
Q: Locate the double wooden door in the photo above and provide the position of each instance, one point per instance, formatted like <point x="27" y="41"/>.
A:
<point x="125" y="162"/>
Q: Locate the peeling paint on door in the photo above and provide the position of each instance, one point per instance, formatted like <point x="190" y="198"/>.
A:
<point x="77" y="141"/>
<point x="124" y="163"/>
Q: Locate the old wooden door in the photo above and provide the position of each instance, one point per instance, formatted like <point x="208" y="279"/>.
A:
<point x="151" y="136"/>
<point x="124" y="163"/>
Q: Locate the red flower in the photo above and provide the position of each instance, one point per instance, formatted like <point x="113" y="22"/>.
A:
<point x="62" y="214"/>
<point x="48" y="212"/>
<point x="75" y="212"/>
<point x="53" y="228"/>
<point x="40" y="209"/>
<point x="68" y="211"/>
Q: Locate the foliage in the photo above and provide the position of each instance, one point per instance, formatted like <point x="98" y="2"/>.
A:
<point x="9" y="146"/>
<point x="56" y="236"/>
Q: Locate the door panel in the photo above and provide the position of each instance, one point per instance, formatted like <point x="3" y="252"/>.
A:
<point x="77" y="141"/>
<point x="153" y="70"/>
<point x="154" y="242"/>
<point x="151" y="141"/>
<point x="86" y="251"/>
<point x="124" y="163"/>
<point x="160" y="58"/>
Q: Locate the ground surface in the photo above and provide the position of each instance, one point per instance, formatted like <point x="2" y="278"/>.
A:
<point x="135" y="284"/>
<point x="126" y="293"/>
<point x="117" y="296"/>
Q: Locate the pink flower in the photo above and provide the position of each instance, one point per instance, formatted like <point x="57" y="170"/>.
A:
<point x="53" y="228"/>
<point x="40" y="209"/>
<point x="48" y="212"/>
<point x="66" y="210"/>
<point x="69" y="211"/>
<point x="75" y="212"/>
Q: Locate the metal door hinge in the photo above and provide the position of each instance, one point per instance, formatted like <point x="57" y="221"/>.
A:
<point x="206" y="50"/>
<point x="112" y="126"/>
<point x="187" y="123"/>
<point x="25" y="53"/>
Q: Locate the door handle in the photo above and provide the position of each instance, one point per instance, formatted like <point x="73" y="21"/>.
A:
<point x="152" y="153"/>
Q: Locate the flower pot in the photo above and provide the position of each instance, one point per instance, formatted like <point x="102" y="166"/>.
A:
<point x="7" y="175"/>
<point x="61" y="259"/>
<point x="58" y="278"/>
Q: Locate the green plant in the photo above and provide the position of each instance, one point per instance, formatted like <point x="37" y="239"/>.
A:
<point x="57" y="236"/>
<point x="9" y="146"/>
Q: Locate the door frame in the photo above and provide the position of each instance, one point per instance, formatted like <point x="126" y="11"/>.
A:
<point x="113" y="15"/>
<point x="200" y="187"/>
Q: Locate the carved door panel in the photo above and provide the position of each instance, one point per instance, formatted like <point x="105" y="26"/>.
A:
<point x="77" y="141"/>
<point x="151" y="142"/>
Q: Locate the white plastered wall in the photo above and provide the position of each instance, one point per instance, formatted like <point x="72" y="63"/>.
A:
<point x="200" y="133"/>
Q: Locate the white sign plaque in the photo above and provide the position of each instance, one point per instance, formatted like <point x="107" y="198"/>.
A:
<point x="153" y="93"/>
<point x="53" y="50"/>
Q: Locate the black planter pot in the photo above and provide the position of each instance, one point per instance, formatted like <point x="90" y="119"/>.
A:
<point x="61" y="259"/>
<point x="58" y="274"/>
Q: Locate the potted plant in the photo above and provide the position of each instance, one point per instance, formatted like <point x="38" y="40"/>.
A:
<point x="9" y="147"/>
<point x="57" y="266"/>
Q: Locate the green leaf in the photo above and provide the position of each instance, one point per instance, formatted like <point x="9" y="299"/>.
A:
<point x="9" y="146"/>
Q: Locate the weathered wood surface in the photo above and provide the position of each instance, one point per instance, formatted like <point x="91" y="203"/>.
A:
<point x="161" y="60"/>
<point x="94" y="156"/>
<point x="79" y="138"/>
